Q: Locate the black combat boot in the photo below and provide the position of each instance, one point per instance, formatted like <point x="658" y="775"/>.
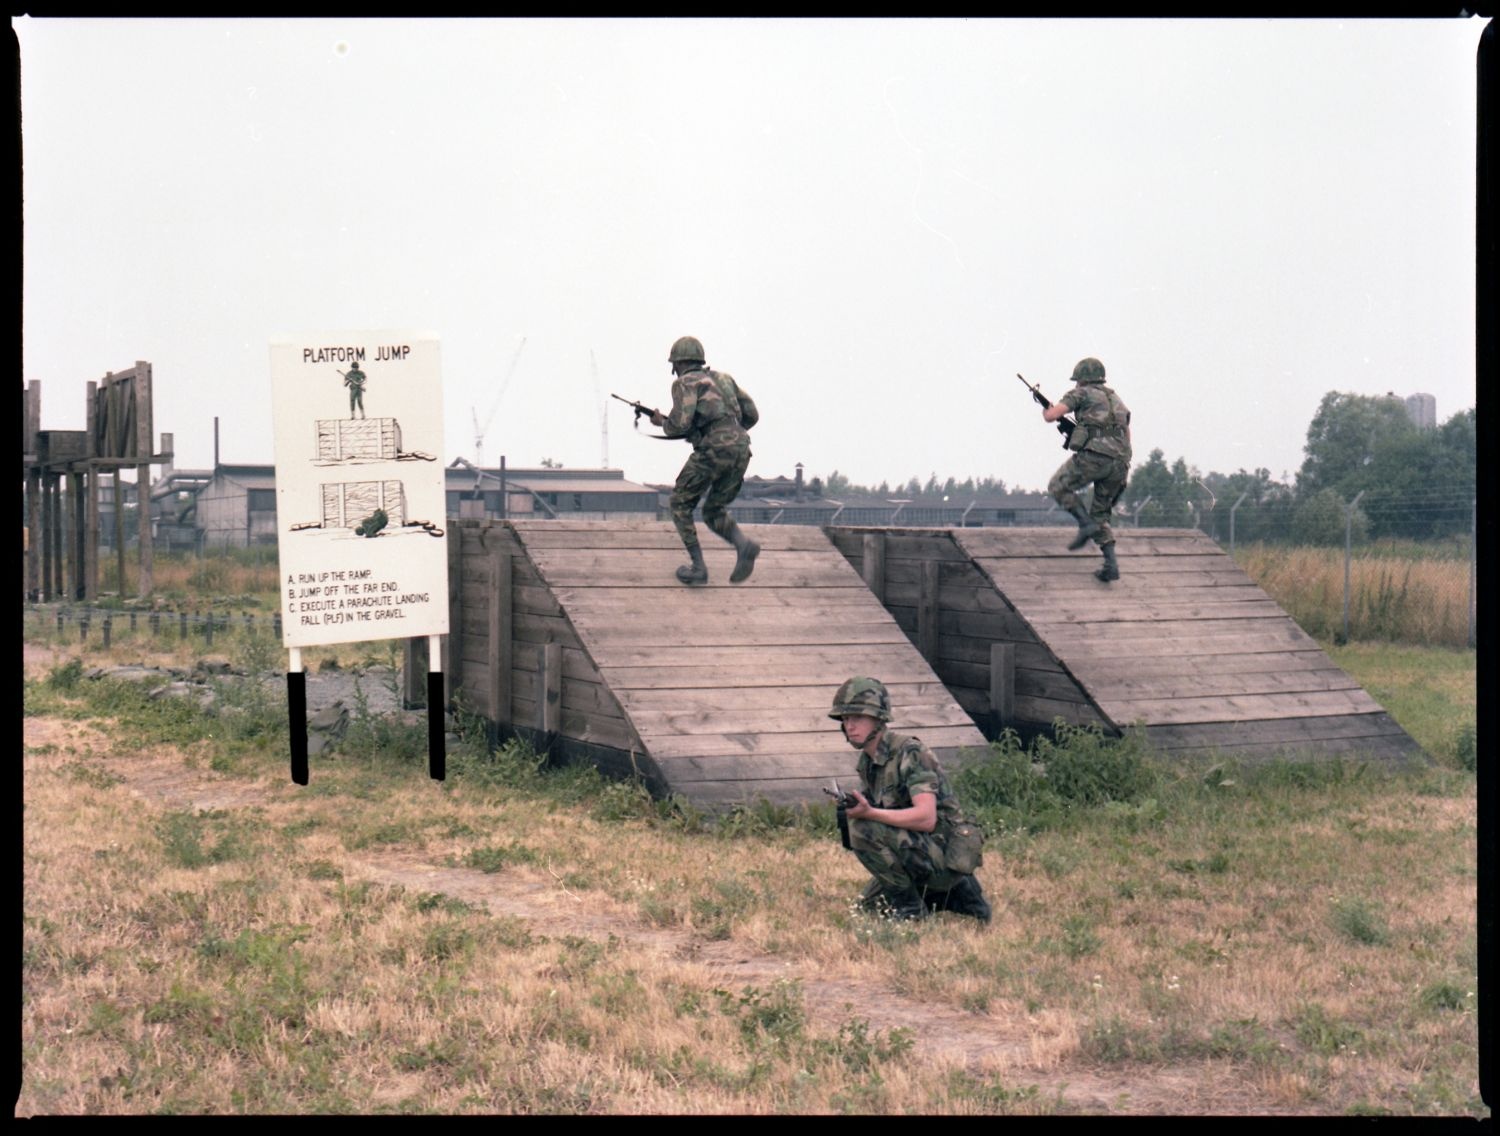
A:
<point x="967" y="898"/>
<point x="697" y="571"/>
<point x="1087" y="527"/>
<point x="1111" y="569"/>
<point x="905" y="904"/>
<point x="747" y="550"/>
<point x="872" y="897"/>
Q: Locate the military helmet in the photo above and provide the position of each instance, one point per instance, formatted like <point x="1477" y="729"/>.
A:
<point x="861" y="695"/>
<point x="1089" y="370"/>
<point x="686" y="350"/>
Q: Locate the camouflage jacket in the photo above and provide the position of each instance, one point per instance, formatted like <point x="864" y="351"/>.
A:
<point x="1099" y="410"/>
<point x="902" y="765"/>
<point x="710" y="410"/>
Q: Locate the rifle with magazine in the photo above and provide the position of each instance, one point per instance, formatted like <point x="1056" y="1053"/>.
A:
<point x="843" y="801"/>
<point x="640" y="409"/>
<point x="1065" y="425"/>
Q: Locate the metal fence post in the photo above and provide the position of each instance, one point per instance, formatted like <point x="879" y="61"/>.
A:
<point x="1348" y="552"/>
<point x="1473" y="562"/>
<point x="1232" y="509"/>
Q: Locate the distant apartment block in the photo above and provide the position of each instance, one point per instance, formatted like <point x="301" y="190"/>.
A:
<point x="1422" y="409"/>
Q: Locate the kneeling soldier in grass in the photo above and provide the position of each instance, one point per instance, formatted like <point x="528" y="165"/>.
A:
<point x="905" y="824"/>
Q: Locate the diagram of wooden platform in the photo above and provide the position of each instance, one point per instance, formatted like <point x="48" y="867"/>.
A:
<point x="576" y="634"/>
<point x="1183" y="646"/>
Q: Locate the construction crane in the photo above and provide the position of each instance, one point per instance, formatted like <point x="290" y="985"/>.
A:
<point x="603" y="415"/>
<point x="481" y="431"/>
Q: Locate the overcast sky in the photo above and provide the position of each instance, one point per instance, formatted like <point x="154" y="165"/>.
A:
<point x="872" y="224"/>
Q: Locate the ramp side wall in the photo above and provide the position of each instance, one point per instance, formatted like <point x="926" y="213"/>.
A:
<point x="518" y="662"/>
<point x="958" y="625"/>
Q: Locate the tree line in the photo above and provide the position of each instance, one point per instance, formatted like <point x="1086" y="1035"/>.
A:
<point x="1402" y="481"/>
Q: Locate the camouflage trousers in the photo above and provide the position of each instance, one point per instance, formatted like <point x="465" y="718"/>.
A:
<point x="1107" y="475"/>
<point x="717" y="471"/>
<point x="899" y="858"/>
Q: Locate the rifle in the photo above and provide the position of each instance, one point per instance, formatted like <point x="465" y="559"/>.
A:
<point x="1065" y="425"/>
<point x="641" y="408"/>
<point x="843" y="800"/>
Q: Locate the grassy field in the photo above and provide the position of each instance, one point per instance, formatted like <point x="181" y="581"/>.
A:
<point x="201" y="935"/>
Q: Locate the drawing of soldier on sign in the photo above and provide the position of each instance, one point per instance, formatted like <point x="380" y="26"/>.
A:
<point x="354" y="379"/>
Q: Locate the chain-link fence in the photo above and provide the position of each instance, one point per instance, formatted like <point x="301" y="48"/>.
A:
<point x="1327" y="564"/>
<point x="1341" y="569"/>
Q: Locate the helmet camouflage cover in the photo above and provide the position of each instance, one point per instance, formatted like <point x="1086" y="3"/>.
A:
<point x="686" y="350"/>
<point x="1088" y="370"/>
<point x="861" y="695"/>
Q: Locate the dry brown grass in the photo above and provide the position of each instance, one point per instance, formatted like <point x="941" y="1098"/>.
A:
<point x="380" y="942"/>
<point x="1391" y="598"/>
<point x="340" y="956"/>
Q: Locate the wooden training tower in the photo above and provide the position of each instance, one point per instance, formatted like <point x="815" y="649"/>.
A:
<point x="1183" y="644"/>
<point x="577" y="636"/>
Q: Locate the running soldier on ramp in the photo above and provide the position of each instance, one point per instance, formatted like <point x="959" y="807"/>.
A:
<point x="715" y="414"/>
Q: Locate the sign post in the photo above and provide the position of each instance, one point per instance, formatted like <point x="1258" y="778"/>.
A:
<point x="360" y="504"/>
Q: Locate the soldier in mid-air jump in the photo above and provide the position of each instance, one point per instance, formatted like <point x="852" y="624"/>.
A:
<point x="1102" y="458"/>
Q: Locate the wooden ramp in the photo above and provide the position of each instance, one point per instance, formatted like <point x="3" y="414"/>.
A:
<point x="577" y="633"/>
<point x="1183" y="644"/>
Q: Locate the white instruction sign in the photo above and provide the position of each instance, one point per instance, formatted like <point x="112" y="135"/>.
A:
<point x="360" y="493"/>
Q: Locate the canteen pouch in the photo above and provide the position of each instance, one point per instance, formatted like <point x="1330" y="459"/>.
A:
<point x="962" y="852"/>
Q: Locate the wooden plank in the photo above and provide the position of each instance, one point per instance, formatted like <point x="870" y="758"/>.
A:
<point x="1003" y="681"/>
<point x="550" y="691"/>
<point x="545" y="539"/>
<point x="900" y="543"/>
<point x="1112" y="611"/>
<point x="498" y="652"/>
<point x="593" y="728"/>
<point x="534" y="600"/>
<point x="686" y="772"/>
<point x="777" y="673"/>
<point x="654" y="603"/>
<point x="1043" y="710"/>
<point x="474" y="573"/>
<point x="1126" y="686"/>
<point x="1385" y="747"/>
<point x="1187" y="631"/>
<point x="836" y="659"/>
<point x="1373" y="725"/>
<point x="927" y="611"/>
<point x="1179" y="571"/>
<point x="717" y="795"/>
<point x="600" y="641"/>
<point x="1007" y="626"/>
<point x="1239" y="707"/>
<point x="785" y="572"/>
<point x="653" y="723"/>
<point x="872" y="563"/>
<point x="1105" y="669"/>
<point x="1028" y="681"/>
<point x="815" y="697"/>
<point x="664" y="747"/>
<point x="965" y="649"/>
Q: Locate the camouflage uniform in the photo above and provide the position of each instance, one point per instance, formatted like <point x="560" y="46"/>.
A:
<point x="900" y="858"/>
<point x="713" y="413"/>
<point x="1102" y="461"/>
